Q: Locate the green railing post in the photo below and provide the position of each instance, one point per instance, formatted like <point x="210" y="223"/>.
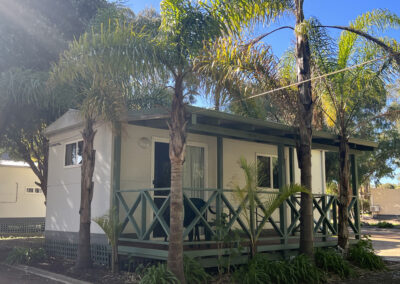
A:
<point x="334" y="214"/>
<point x="220" y="177"/>
<point x="292" y="181"/>
<point x="116" y="170"/>
<point x="144" y="214"/>
<point x="354" y="184"/>
<point x="282" y="183"/>
<point x="325" y="210"/>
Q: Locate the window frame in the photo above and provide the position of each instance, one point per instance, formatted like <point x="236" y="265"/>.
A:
<point x="271" y="170"/>
<point x="76" y="149"/>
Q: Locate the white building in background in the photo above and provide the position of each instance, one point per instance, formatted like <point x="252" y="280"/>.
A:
<point x="22" y="203"/>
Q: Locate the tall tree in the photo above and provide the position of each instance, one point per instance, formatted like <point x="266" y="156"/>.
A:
<point x="241" y="14"/>
<point x="350" y="100"/>
<point x="97" y="71"/>
<point x="33" y="33"/>
<point x="185" y="28"/>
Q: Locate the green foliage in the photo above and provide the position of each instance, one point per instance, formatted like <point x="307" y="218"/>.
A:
<point x="194" y="272"/>
<point x="21" y="255"/>
<point x="331" y="261"/>
<point x="251" y="198"/>
<point x="261" y="270"/>
<point x="111" y="226"/>
<point x="306" y="271"/>
<point x="362" y="254"/>
<point x="226" y="239"/>
<point x="385" y="225"/>
<point x="159" y="274"/>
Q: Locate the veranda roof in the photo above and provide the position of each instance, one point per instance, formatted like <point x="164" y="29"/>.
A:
<point x="216" y="123"/>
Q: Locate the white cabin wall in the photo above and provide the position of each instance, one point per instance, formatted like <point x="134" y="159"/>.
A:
<point x="64" y="183"/>
<point x="15" y="201"/>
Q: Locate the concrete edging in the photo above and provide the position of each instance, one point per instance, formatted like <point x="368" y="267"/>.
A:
<point x="49" y="275"/>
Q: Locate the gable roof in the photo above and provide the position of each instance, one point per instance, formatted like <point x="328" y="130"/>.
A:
<point x="69" y="120"/>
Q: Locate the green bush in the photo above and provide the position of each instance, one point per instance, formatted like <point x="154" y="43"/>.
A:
<point x="261" y="270"/>
<point x="331" y="261"/>
<point x="385" y="225"/>
<point x="362" y="255"/>
<point x="306" y="271"/>
<point x="194" y="272"/>
<point x="159" y="274"/>
<point x="26" y="255"/>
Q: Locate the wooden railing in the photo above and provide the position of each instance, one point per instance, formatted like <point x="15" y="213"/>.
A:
<point x="140" y="216"/>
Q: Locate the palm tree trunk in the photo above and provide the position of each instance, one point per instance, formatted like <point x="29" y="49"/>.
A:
<point x="177" y="131"/>
<point x="84" y="259"/>
<point x="305" y="115"/>
<point x="344" y="192"/>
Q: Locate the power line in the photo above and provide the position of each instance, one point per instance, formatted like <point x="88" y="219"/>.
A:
<point x="305" y="81"/>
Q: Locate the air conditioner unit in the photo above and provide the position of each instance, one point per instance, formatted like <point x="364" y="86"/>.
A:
<point x="374" y="208"/>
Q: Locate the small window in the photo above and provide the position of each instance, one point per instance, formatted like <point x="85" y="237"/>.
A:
<point x="267" y="172"/>
<point x="73" y="153"/>
<point x="33" y="190"/>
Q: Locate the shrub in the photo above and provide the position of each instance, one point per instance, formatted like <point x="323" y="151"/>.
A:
<point x="385" y="225"/>
<point x="331" y="261"/>
<point x="26" y="255"/>
<point x="159" y="274"/>
<point x="306" y="271"/>
<point x="261" y="270"/>
<point x="362" y="254"/>
<point x="194" y="272"/>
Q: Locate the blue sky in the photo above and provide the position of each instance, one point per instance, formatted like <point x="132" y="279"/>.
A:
<point x="329" y="12"/>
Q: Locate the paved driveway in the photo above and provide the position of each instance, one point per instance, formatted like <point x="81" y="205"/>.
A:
<point x="386" y="242"/>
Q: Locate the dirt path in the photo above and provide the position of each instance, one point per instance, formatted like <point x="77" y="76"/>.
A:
<point x="386" y="242"/>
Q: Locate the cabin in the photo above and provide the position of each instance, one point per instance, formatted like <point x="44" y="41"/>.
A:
<point x="22" y="203"/>
<point x="132" y="175"/>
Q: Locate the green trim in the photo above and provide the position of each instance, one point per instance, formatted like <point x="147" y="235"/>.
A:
<point x="282" y="183"/>
<point x="116" y="171"/>
<point x="225" y="121"/>
<point x="354" y="185"/>
<point x="220" y="176"/>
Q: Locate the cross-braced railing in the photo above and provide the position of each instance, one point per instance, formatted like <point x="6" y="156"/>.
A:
<point x="144" y="220"/>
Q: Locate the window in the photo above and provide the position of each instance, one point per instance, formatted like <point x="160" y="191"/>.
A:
<point x="267" y="172"/>
<point x="73" y="153"/>
<point x="33" y="190"/>
<point x="193" y="170"/>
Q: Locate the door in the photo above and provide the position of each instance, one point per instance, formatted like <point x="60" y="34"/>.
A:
<point x="162" y="179"/>
<point x="193" y="177"/>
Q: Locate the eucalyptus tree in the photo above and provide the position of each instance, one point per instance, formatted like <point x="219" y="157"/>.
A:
<point x="33" y="34"/>
<point x="24" y="92"/>
<point x="240" y="14"/>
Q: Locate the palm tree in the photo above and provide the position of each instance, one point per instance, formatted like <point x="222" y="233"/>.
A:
<point x="351" y="100"/>
<point x="251" y="198"/>
<point x="240" y="14"/>
<point x="184" y="29"/>
<point x="97" y="70"/>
